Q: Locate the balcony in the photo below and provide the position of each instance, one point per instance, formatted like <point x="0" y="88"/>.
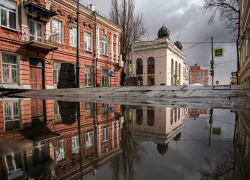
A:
<point x="38" y="37"/>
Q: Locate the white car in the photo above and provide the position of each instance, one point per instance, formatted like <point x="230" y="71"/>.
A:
<point x="197" y="84"/>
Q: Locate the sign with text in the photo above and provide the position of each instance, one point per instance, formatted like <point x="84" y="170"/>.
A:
<point x="218" y="52"/>
<point x="131" y="66"/>
<point x="216" y="82"/>
<point x="216" y="131"/>
<point x="177" y="81"/>
<point x="233" y="79"/>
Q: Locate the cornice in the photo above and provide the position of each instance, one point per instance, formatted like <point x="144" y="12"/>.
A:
<point x="70" y="6"/>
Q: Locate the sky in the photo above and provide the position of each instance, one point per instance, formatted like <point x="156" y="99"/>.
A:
<point x="185" y="19"/>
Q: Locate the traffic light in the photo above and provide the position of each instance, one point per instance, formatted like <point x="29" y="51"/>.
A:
<point x="212" y="64"/>
<point x="212" y="72"/>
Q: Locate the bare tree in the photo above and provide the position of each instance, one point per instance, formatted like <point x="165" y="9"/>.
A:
<point x="133" y="28"/>
<point x="224" y="167"/>
<point x="228" y="13"/>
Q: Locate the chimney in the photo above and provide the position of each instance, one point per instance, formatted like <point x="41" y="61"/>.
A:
<point x="92" y="7"/>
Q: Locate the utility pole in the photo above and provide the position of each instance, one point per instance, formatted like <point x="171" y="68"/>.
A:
<point x="210" y="122"/>
<point x="77" y="51"/>
<point x="212" y="62"/>
<point x="132" y="58"/>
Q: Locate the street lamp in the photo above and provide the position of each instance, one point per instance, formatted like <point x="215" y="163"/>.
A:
<point x="71" y="24"/>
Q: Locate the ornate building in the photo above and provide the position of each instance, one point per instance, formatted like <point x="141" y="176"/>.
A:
<point x="244" y="48"/>
<point x="35" y="39"/>
<point x="157" y="62"/>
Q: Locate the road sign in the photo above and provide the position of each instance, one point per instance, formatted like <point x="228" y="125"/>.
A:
<point x="218" y="52"/>
<point x="216" y="131"/>
<point x="130" y="67"/>
<point x="177" y="81"/>
<point x="233" y="79"/>
<point x="217" y="82"/>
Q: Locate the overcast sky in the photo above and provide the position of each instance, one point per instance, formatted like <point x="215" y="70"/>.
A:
<point x="184" y="19"/>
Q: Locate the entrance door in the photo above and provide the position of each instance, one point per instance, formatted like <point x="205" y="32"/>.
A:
<point x="37" y="112"/>
<point x="36" y="73"/>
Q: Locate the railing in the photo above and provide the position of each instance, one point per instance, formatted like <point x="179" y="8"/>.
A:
<point x="42" y="35"/>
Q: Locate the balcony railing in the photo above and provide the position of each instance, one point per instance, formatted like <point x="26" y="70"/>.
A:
<point x="41" y="38"/>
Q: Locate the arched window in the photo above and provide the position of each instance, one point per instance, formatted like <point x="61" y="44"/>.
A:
<point x="179" y="73"/>
<point x="104" y="45"/>
<point x="171" y="116"/>
<point x="139" y="70"/>
<point x="176" y="67"/>
<point x="150" y="116"/>
<point x="151" y="71"/>
<point x="139" y="116"/>
<point x="175" y="115"/>
<point x="172" y="72"/>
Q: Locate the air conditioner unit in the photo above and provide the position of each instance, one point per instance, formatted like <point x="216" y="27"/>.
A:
<point x="245" y="33"/>
<point x="120" y="61"/>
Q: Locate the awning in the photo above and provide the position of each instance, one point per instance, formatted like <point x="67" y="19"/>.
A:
<point x="44" y="137"/>
<point x="39" y="7"/>
<point x="42" y="45"/>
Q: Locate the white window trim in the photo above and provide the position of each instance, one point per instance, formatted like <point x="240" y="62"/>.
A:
<point x="62" y="150"/>
<point x="61" y="42"/>
<point x="104" y="44"/>
<point x="13" y="160"/>
<point x="39" y="150"/>
<point x="58" y="110"/>
<point x="7" y="18"/>
<point x="35" y="35"/>
<point x="88" y="45"/>
<point x="55" y="85"/>
<point x="18" y="67"/>
<point x="76" y="147"/>
<point x="74" y="43"/>
<point x="92" y="143"/>
<point x="106" y="138"/>
<point x="91" y="77"/>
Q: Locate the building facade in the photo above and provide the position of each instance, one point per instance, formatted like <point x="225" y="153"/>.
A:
<point x="35" y="39"/>
<point x="157" y="62"/>
<point x="42" y="145"/>
<point x="244" y="48"/>
<point x="197" y="75"/>
<point x="196" y="112"/>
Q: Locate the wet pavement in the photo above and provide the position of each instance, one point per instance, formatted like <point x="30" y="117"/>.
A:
<point x="53" y="139"/>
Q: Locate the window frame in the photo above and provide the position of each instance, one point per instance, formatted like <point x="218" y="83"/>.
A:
<point x="35" y="30"/>
<point x="62" y="150"/>
<point x="89" y="146"/>
<point x="7" y="16"/>
<point x="106" y="107"/>
<point x="105" y="84"/>
<point x="104" y="45"/>
<point x="10" y="74"/>
<point x="57" y="72"/>
<point x="39" y="146"/>
<point x="60" y="36"/>
<point x="76" y="144"/>
<point x="88" y="40"/>
<point x="105" y="136"/>
<point x="88" y="105"/>
<point x="12" y="154"/>
<point x="57" y="115"/>
<point x="88" y="74"/>
<point x="74" y="37"/>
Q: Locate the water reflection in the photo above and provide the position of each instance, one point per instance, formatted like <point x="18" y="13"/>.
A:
<point x="46" y="139"/>
<point x="47" y="136"/>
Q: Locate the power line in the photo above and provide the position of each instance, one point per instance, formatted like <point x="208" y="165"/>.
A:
<point x="220" y="63"/>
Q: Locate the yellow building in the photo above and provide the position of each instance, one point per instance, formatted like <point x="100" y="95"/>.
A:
<point x="244" y="62"/>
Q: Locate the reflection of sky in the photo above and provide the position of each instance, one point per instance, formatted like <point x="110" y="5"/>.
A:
<point x="185" y="157"/>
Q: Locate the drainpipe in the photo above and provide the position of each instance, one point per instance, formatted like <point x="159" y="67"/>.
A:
<point x="237" y="49"/>
<point x="95" y="48"/>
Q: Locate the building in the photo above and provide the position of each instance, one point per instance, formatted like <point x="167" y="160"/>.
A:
<point x="196" y="112"/>
<point x="158" y="61"/>
<point x="35" y="39"/>
<point x="159" y="125"/>
<point x="43" y="145"/>
<point x="197" y="75"/>
<point x="243" y="42"/>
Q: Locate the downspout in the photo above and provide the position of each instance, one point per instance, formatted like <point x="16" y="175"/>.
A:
<point x="95" y="48"/>
<point x="237" y="49"/>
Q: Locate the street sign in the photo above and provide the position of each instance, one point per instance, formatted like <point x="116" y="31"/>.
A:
<point x="177" y="81"/>
<point x="217" y="82"/>
<point x="218" y="52"/>
<point x="233" y="79"/>
<point x="130" y="67"/>
<point x="216" y="131"/>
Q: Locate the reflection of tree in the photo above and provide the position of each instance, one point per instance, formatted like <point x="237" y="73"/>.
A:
<point x="132" y="151"/>
<point x="223" y="167"/>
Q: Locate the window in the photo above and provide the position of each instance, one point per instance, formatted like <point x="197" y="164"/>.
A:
<point x="104" y="45"/>
<point x="87" y="41"/>
<point x="8" y="14"/>
<point x="14" y="165"/>
<point x="57" y="115"/>
<point x="139" y="116"/>
<point x="9" y="69"/>
<point x="171" y="116"/>
<point x="202" y="72"/>
<point x="150" y="116"/>
<point x="35" y="31"/>
<point x="39" y="151"/>
<point x="105" y="77"/>
<point x="57" y="29"/>
<point x="105" y="137"/>
<point x="12" y="120"/>
<point x="56" y="71"/>
<point x="88" y="76"/>
<point x="89" y="140"/>
<point x="73" y="37"/>
<point x="247" y="47"/>
<point x="151" y="71"/>
<point x="75" y="144"/>
<point x="198" y="72"/>
<point x="105" y="109"/>
<point x="88" y="109"/>
<point x="175" y="114"/>
<point x="60" y="151"/>
<point x="139" y="70"/>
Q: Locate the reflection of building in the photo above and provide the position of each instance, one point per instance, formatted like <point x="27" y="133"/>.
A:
<point x="158" y="61"/>
<point x="54" y="147"/>
<point x="35" y="39"/>
<point x="197" y="75"/>
<point x="244" y="47"/>
<point x="196" y="112"/>
<point x="233" y="74"/>
<point x="159" y="125"/>
<point x="242" y="158"/>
